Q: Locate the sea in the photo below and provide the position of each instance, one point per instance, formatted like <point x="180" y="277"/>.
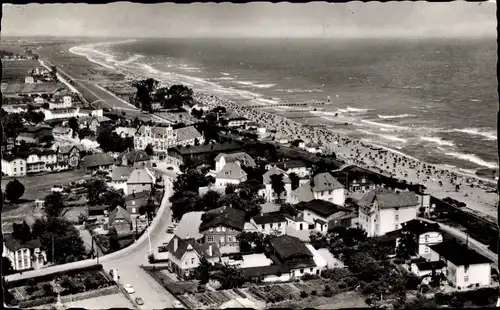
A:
<point x="432" y="99"/>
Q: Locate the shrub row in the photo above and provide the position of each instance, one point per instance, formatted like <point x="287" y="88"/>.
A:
<point x="480" y="297"/>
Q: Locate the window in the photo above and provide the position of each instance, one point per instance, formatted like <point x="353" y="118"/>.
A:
<point x="426" y="238"/>
<point x="311" y="269"/>
<point x="21" y="169"/>
<point x="192" y="261"/>
<point x="466" y="279"/>
<point x="279" y="225"/>
<point x="426" y="250"/>
<point x="229" y="239"/>
<point x="223" y="228"/>
<point x="221" y="240"/>
<point x="330" y="192"/>
<point x="271" y="225"/>
<point x="14" y="169"/>
<point x="210" y="239"/>
<point x="301" y="270"/>
<point x="263" y="226"/>
<point x="396" y="217"/>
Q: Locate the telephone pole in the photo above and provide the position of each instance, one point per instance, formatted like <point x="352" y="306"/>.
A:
<point x="53" y="259"/>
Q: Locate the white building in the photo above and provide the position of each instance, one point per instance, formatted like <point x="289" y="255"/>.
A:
<point x="58" y="113"/>
<point x="382" y="211"/>
<point x="188" y="136"/>
<point x="270" y="224"/>
<point x="231" y="173"/>
<point x="66" y="102"/>
<point x="29" y="80"/>
<point x="323" y="186"/>
<point x="161" y="138"/>
<point x="291" y="166"/>
<point x="241" y="158"/>
<point x="426" y="234"/>
<point x="465" y="268"/>
<point x="318" y="213"/>
<point x="268" y="192"/>
<point x="23" y="255"/>
<point x="13" y="165"/>
<point x="40" y="160"/>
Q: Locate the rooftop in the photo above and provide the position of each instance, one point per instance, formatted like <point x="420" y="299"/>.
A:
<point x="223" y="216"/>
<point x="119" y="213"/>
<point x="290" y="164"/>
<point x="324" y="182"/>
<point x="269" y="218"/>
<point x="187" y="133"/>
<point x="13" y="244"/>
<point x="459" y="254"/>
<point x="320" y="207"/>
<point x="121" y="173"/>
<point x="388" y="199"/>
<point x="242" y="157"/>
<point x="133" y="156"/>
<point x="231" y="171"/>
<point x="140" y="176"/>
<point x="275" y="170"/>
<point x="99" y="159"/>
<point x="209" y="148"/>
<point x="288" y="247"/>
<point x="189" y="226"/>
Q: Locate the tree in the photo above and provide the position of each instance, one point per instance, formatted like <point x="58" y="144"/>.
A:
<point x="14" y="190"/>
<point x="7" y="268"/>
<point x="230" y="189"/>
<point x="59" y="236"/>
<point x="202" y="272"/>
<point x="320" y="167"/>
<point x="295" y="179"/>
<point x="74" y="125"/>
<point x="252" y="242"/>
<point x="407" y="246"/>
<point x="149" y="209"/>
<point x="249" y="189"/>
<point x="34" y="117"/>
<point x="183" y="202"/>
<point x="277" y="184"/>
<point x="54" y="204"/>
<point x="149" y="150"/>
<point x="112" y="198"/>
<point x="22" y="232"/>
<point x="114" y="244"/>
<point x="94" y="189"/>
<point x="229" y="277"/>
<point x="191" y="181"/>
<point x="209" y="201"/>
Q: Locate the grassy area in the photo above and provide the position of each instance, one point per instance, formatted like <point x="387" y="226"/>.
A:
<point x="21" y="88"/>
<point x="16" y="70"/>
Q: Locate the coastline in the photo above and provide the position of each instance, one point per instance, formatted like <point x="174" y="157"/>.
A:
<point x="401" y="166"/>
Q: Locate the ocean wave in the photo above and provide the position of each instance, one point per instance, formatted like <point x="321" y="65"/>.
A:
<point x="298" y="90"/>
<point x="437" y="141"/>
<point x="387" y="137"/>
<point x="224" y="78"/>
<point x="395" y="116"/>
<point x="395" y="127"/>
<point x="473" y="159"/>
<point x="269" y="101"/>
<point x="255" y="85"/>
<point x="353" y="110"/>
<point x="489" y="135"/>
<point x="225" y="73"/>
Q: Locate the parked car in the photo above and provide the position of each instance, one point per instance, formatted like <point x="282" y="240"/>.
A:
<point x="139" y="301"/>
<point x="129" y="288"/>
<point x="170" y="231"/>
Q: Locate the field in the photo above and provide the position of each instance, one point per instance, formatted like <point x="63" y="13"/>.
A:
<point x="305" y="294"/>
<point x="102" y="302"/>
<point x="21" y="88"/>
<point x="16" y="70"/>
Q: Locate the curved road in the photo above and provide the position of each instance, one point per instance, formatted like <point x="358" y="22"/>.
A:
<point x="129" y="259"/>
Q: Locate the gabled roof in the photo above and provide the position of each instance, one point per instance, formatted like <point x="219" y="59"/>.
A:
<point x="231" y="171"/>
<point x="121" y="173"/>
<point x="139" y="195"/>
<point x="187" y="133"/>
<point x="119" y="213"/>
<point x="320" y="207"/>
<point x="458" y="253"/>
<point x="184" y="245"/>
<point x="290" y="164"/>
<point x="242" y="157"/>
<point x="189" y="226"/>
<point x="269" y="207"/>
<point x="209" y="148"/>
<point x="13" y="244"/>
<point x="61" y="130"/>
<point x="288" y="247"/>
<point x="269" y="218"/>
<point x="99" y="159"/>
<point x="140" y="176"/>
<point x="66" y="148"/>
<point x="266" y="178"/>
<point x="325" y="182"/>
<point x="10" y="157"/>
<point x="430" y="265"/>
<point x="419" y="227"/>
<point x="155" y="130"/>
<point x="34" y="128"/>
<point x="133" y="156"/>
<point x="223" y="216"/>
<point x="388" y="199"/>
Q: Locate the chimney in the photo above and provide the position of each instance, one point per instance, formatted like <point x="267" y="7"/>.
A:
<point x="176" y="244"/>
<point x="210" y="251"/>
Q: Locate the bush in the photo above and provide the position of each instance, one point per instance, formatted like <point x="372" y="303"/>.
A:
<point x="425" y="288"/>
<point x="303" y="294"/>
<point x="308" y="276"/>
<point x="327" y="293"/>
<point x="313" y="293"/>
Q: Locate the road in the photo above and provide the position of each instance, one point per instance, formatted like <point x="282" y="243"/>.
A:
<point x="129" y="259"/>
<point x="472" y="243"/>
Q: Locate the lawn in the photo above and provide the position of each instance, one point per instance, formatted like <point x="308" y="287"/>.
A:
<point x="21" y="88"/>
<point x="102" y="302"/>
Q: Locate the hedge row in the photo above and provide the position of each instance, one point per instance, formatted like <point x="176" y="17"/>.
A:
<point x="480" y="297"/>
<point x="51" y="276"/>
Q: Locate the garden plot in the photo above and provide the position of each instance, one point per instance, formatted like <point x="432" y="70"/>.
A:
<point x="210" y="300"/>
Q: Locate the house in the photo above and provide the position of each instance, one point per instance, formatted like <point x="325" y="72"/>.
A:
<point x="39" y="160"/>
<point x="68" y="153"/>
<point x="232" y="173"/>
<point x="134" y="201"/>
<point x="61" y="113"/>
<point x="425" y="233"/>
<point x="60" y="102"/>
<point x="268" y="191"/>
<point x="221" y="226"/>
<point x="33" y="134"/>
<point x="160" y="138"/>
<point x="120" y="219"/>
<point x="291" y="166"/>
<point x="15" y="108"/>
<point x="62" y="132"/>
<point x="125" y="132"/>
<point x="184" y="255"/>
<point x="119" y="177"/>
<point x="29" y="80"/>
<point x="251" y="126"/>
<point x="269" y="207"/>
<point x="426" y="268"/>
<point x="314" y="148"/>
<point x="270" y="224"/>
<point x="319" y="213"/>
<point x="188" y="136"/>
<point x="96" y="122"/>
<point x="23" y="255"/>
<point x="204" y="152"/>
<point x="136" y="158"/>
<point x="291" y="258"/>
<point x="382" y="211"/>
<point x="242" y="158"/>
<point x="300" y="143"/>
<point x="464" y="267"/>
<point x="324" y="186"/>
<point x="234" y="120"/>
<point x="97" y="210"/>
<point x="140" y="180"/>
<point x="99" y="161"/>
<point x="13" y="165"/>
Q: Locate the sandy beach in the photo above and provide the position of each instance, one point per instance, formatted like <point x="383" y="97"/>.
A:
<point x="440" y="181"/>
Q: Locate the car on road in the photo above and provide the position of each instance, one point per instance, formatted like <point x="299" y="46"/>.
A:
<point x="139" y="301"/>
<point x="129" y="288"/>
<point x="177" y="304"/>
<point x="170" y="231"/>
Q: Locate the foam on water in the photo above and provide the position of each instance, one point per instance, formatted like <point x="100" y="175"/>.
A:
<point x="473" y="159"/>
<point x="395" y="116"/>
<point x="488" y="135"/>
<point x="386" y="137"/>
<point x="386" y="125"/>
<point x="437" y="141"/>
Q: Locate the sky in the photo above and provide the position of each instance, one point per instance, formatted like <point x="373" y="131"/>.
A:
<point x="319" y="19"/>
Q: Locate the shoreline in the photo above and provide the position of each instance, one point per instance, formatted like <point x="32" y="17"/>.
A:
<point x="438" y="179"/>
